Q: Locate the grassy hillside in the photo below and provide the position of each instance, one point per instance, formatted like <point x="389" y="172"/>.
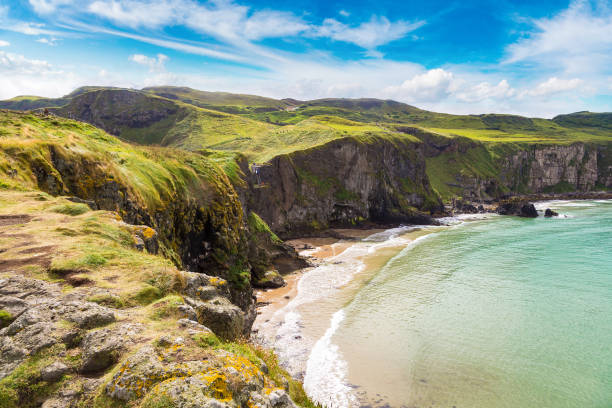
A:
<point x="75" y="254"/>
<point x="263" y="127"/>
<point x="224" y="101"/>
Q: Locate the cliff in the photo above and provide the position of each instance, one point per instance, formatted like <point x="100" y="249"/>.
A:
<point x="96" y="308"/>
<point x="343" y="183"/>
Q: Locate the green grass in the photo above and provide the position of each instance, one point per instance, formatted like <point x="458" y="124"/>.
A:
<point x="71" y="209"/>
<point x="23" y="387"/>
<point x="166" y="307"/>
<point x="258" y="225"/>
<point x="5" y="318"/>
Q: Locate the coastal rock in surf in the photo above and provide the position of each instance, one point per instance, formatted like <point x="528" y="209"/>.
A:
<point x="518" y="207"/>
<point x="550" y="213"/>
<point x="465" y="207"/>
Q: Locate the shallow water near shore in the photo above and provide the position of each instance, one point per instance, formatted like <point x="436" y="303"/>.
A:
<point x="503" y="312"/>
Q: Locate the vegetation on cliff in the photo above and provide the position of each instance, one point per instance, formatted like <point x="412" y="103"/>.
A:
<point x="90" y="318"/>
<point x="97" y="232"/>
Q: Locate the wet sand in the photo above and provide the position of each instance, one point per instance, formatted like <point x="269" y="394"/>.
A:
<point x="318" y="250"/>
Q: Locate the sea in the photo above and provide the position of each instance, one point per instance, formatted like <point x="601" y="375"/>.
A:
<point x="484" y="311"/>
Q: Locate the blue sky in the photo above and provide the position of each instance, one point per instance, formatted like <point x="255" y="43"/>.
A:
<point x="532" y="58"/>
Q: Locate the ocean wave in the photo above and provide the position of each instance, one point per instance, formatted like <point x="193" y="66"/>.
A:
<point x="325" y="381"/>
<point x="305" y="356"/>
<point x="554" y="204"/>
<point x="461" y="218"/>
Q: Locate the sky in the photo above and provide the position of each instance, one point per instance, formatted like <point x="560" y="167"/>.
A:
<point x="534" y="58"/>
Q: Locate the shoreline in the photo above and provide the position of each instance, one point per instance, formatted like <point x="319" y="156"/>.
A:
<point x="302" y="334"/>
<point x="316" y="250"/>
<point x="294" y="319"/>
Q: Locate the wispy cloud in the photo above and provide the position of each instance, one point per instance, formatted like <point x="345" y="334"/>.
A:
<point x="155" y="64"/>
<point x="48" y="6"/>
<point x="234" y="23"/>
<point x="369" y="35"/>
<point x="579" y="39"/>
<point x="52" y="41"/>
<point x="4" y="43"/>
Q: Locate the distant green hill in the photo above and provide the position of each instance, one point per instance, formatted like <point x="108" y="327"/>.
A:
<point x="264" y="127"/>
<point x="586" y="120"/>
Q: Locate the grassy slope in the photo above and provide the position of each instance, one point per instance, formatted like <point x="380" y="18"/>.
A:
<point x="65" y="236"/>
<point x="262" y="128"/>
<point x="155" y="175"/>
<point x="224" y="123"/>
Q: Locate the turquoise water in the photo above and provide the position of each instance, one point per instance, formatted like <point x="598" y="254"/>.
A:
<point x="507" y="312"/>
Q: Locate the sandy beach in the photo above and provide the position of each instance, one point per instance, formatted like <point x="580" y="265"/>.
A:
<point x="341" y="265"/>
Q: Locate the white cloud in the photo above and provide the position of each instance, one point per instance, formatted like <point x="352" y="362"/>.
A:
<point x="344" y="13"/>
<point x="20" y="75"/>
<point x="52" y="41"/>
<point x="137" y="13"/>
<point x="578" y="39"/>
<point x="232" y="22"/>
<point x="484" y="90"/>
<point x="32" y="29"/>
<point x="155" y="64"/>
<point x="266" y="24"/>
<point x="48" y="6"/>
<point x="432" y="85"/>
<point x="4" y="43"/>
<point x="369" y="35"/>
<point x="555" y="85"/>
<point x="15" y="63"/>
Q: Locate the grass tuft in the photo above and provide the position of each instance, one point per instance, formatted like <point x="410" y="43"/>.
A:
<point x="71" y="209"/>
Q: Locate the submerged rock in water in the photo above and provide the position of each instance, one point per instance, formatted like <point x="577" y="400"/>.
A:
<point x="550" y="213"/>
<point x="518" y="207"/>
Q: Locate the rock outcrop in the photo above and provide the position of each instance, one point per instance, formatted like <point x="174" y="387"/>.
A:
<point x="343" y="183"/>
<point x="550" y="213"/>
<point x="518" y="207"/>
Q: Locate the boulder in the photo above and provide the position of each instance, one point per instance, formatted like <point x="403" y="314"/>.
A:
<point x="222" y="317"/>
<point x="528" y="210"/>
<point x="550" y="213"/>
<point x="518" y="207"/>
<point x="270" y="280"/>
<point x="102" y="348"/>
<point x="54" y="371"/>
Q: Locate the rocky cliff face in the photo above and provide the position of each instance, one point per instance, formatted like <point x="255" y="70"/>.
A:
<point x="475" y="171"/>
<point x="343" y="182"/>
<point x="558" y="167"/>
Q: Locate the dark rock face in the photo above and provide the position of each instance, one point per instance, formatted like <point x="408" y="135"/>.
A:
<point x="550" y="213"/>
<point x="528" y="210"/>
<point x="517" y="207"/>
<point x="343" y="183"/>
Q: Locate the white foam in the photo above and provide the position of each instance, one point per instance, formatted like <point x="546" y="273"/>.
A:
<point x="301" y="354"/>
<point x="461" y="218"/>
<point x="326" y="372"/>
<point x="542" y="205"/>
